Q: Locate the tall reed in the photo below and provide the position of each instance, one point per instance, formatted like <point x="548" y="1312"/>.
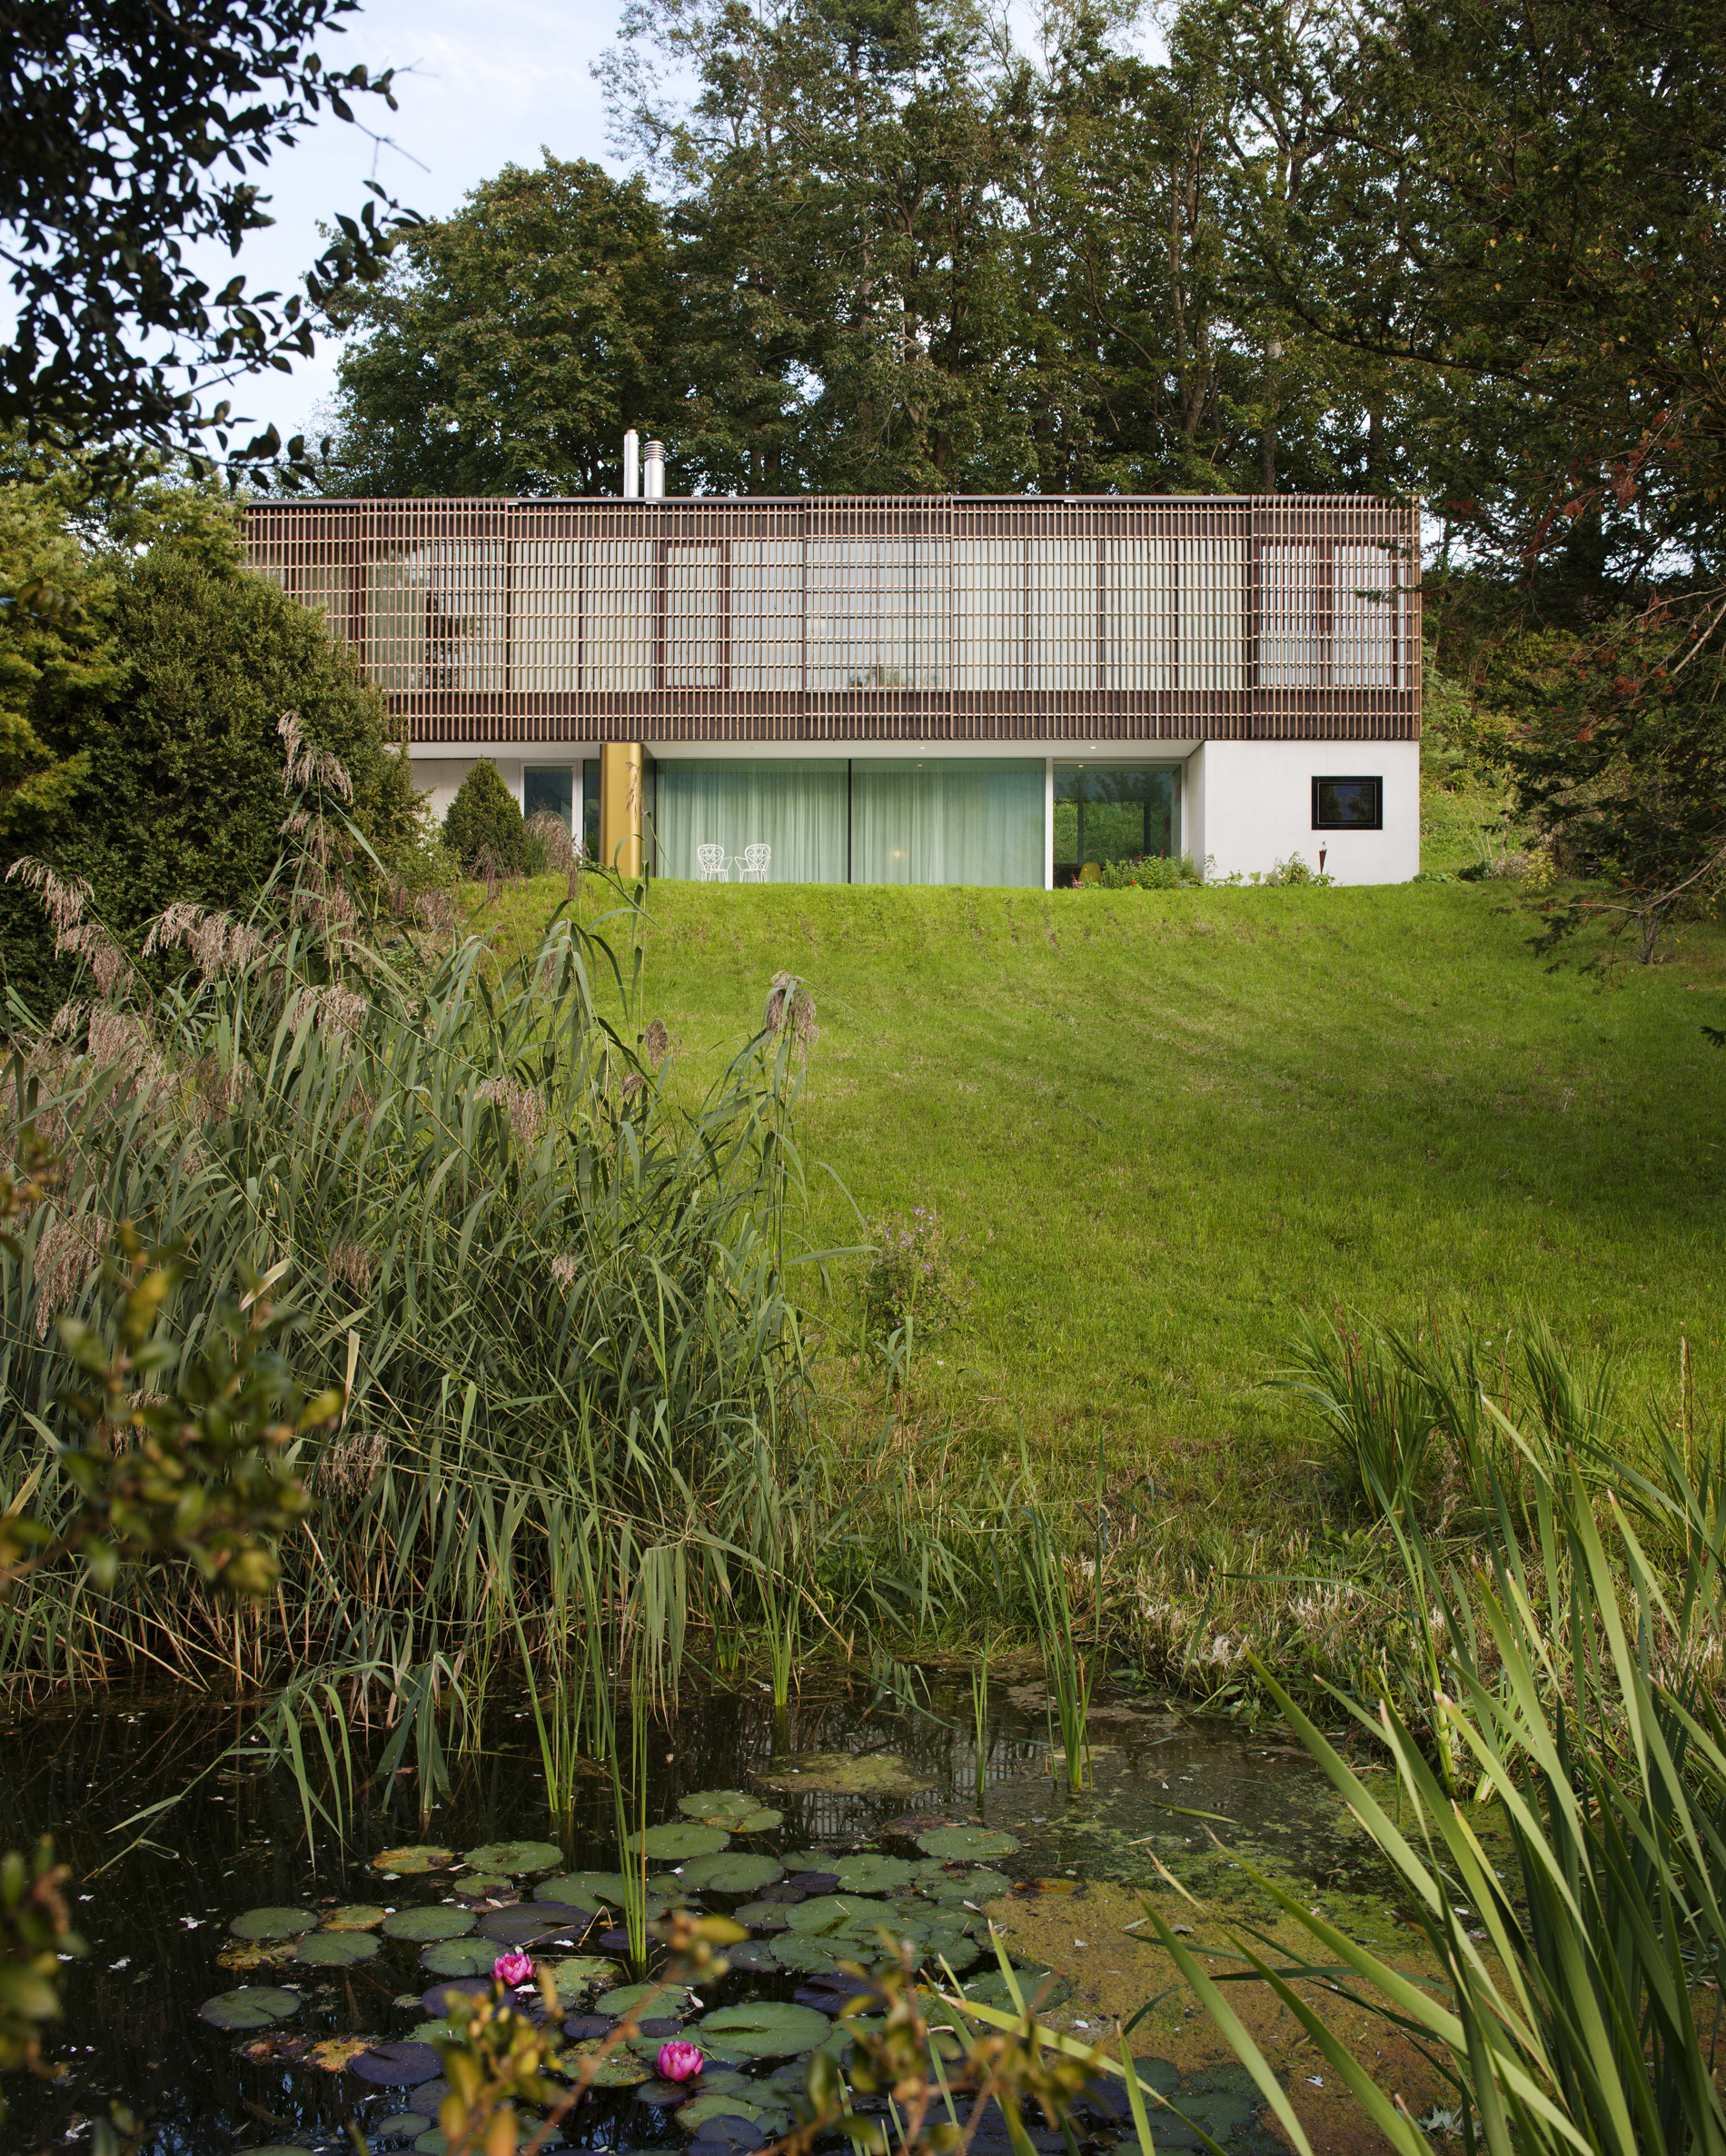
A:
<point x="552" y="1287"/>
<point x="1574" y="1675"/>
<point x="1067" y="1669"/>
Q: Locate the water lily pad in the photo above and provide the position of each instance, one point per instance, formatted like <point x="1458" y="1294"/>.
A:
<point x="532" y="1922"/>
<point x="275" y="2047"/>
<point x="435" y="2143"/>
<point x="967" y="1842"/>
<point x="477" y="1885"/>
<point x="866" y="1873"/>
<point x="681" y="1838"/>
<point x="253" y="2006"/>
<point x="844" y="1774"/>
<point x="734" y="1808"/>
<point x="732" y="1872"/>
<point x="432" y="1920"/>
<point x="712" y="2104"/>
<point x="515" y="1858"/>
<point x="336" y="2052"/>
<point x="666" y="1999"/>
<point x="753" y="1953"/>
<point x="274" y="1924"/>
<point x="336" y="1949"/>
<point x="450" y="1998"/>
<point x="767" y="2028"/>
<point x="991" y="1989"/>
<point x="663" y="2095"/>
<point x="609" y="1890"/>
<point x="243" y="1957"/>
<point x="727" y="2105"/>
<point x="402" y="2126"/>
<point x="355" y="1916"/>
<point x="763" y="1916"/>
<point x="396" y="2065"/>
<point x="419" y="1856"/>
<point x="576" y="1973"/>
<point x="585" y="1890"/>
<point x="960" y="1954"/>
<point x="620" y="2071"/>
<point x="808" y="1957"/>
<point x="460" y="1957"/>
<point x="829" y="1916"/>
<point x="979" y="1884"/>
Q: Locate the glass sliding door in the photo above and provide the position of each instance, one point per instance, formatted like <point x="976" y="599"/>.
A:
<point x="796" y="806"/>
<point x="1113" y="812"/>
<point x="946" y="820"/>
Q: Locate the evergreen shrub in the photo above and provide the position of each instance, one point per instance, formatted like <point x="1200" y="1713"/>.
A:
<point x="169" y="728"/>
<point x="484" y="823"/>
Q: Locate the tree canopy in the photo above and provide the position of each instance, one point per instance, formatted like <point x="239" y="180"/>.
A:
<point x="509" y="344"/>
<point x="143" y="677"/>
<point x="135" y="130"/>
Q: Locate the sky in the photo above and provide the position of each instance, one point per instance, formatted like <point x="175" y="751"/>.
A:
<point x="483" y="81"/>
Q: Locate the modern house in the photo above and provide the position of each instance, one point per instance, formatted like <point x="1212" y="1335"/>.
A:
<point x="899" y="690"/>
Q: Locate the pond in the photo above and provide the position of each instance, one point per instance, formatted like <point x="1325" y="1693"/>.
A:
<point x="241" y="1995"/>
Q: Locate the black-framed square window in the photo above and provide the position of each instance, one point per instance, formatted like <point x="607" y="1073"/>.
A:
<point x="1348" y="804"/>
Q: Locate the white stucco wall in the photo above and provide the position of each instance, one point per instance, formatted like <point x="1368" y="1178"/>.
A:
<point x="439" y="778"/>
<point x="1249" y="805"/>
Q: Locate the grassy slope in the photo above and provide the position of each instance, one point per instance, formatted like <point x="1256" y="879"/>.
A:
<point x="1166" y="1122"/>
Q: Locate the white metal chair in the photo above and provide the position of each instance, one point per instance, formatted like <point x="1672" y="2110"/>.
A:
<point x="755" y="863"/>
<point x="710" y="860"/>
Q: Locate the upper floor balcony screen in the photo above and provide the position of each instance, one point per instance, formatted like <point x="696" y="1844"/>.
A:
<point x="1184" y="607"/>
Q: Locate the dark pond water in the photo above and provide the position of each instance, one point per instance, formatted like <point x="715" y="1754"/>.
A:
<point x="157" y="1911"/>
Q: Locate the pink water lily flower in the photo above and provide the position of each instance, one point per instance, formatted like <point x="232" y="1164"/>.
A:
<point x="514" y="1968"/>
<point x="679" y="2062"/>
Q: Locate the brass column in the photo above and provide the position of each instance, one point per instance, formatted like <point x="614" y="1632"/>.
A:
<point x="623" y="767"/>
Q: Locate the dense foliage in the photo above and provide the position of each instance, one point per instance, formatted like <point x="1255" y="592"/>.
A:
<point x="134" y="135"/>
<point x="542" y="1285"/>
<point x="511" y="345"/>
<point x="1421" y="246"/>
<point x="142" y="696"/>
<point x="482" y="827"/>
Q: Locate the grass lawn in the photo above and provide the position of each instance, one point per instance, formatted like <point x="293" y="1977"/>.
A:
<point x="1166" y="1123"/>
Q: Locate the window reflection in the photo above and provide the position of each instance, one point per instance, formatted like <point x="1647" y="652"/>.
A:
<point x="1112" y="812"/>
<point x="548" y="790"/>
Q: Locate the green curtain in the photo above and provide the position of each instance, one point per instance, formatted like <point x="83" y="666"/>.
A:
<point x="946" y="820"/>
<point x="796" y="805"/>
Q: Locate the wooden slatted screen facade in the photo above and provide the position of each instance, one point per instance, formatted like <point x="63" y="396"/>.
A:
<point x="868" y="618"/>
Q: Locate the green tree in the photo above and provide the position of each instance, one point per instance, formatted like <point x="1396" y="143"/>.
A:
<point x="54" y="652"/>
<point x="484" y="825"/>
<point x="158" y="711"/>
<point x="511" y="343"/>
<point x="1620" y="760"/>
<point x="839" y="223"/>
<point x="1525" y="204"/>
<point x="133" y="136"/>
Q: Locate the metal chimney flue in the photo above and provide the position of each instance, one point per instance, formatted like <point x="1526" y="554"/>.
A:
<point x="655" y="474"/>
<point x="632" y="467"/>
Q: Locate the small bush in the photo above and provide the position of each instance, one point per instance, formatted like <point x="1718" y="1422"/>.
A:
<point x="550" y="850"/>
<point x="1294" y="869"/>
<point x="484" y="827"/>
<point x="1149" y="872"/>
<point x="915" y="1288"/>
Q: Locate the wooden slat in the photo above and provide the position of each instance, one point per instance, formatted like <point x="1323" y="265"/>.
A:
<point x="868" y="618"/>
